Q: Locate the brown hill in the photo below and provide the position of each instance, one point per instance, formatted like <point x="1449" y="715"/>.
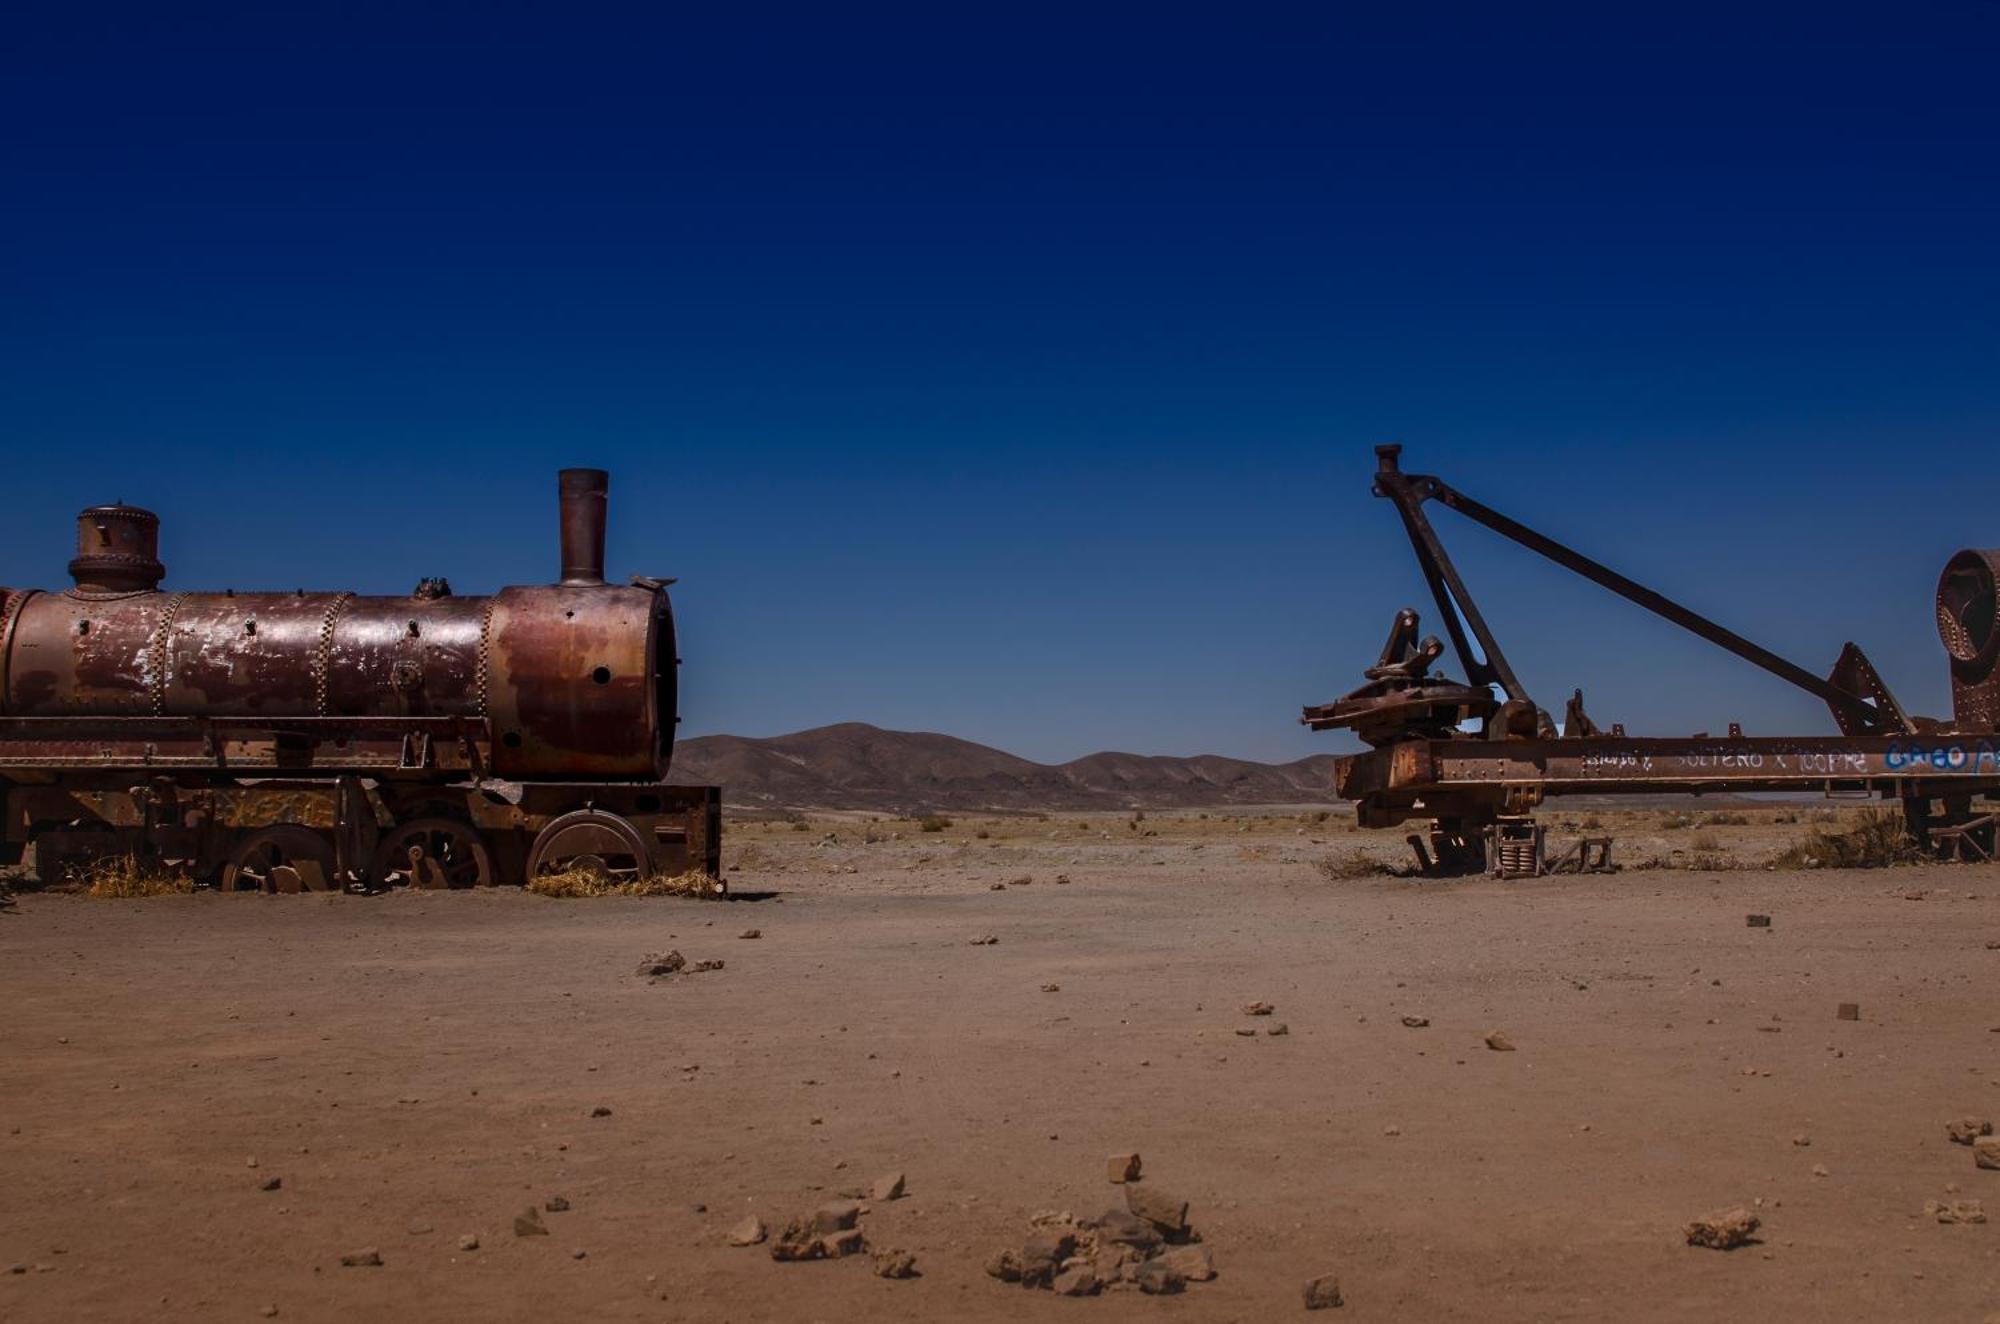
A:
<point x="857" y="766"/>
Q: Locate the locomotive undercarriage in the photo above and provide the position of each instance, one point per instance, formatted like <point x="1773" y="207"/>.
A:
<point x="359" y="833"/>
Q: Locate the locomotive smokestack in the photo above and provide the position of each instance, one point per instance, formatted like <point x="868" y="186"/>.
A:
<point x="117" y="551"/>
<point x="582" y="495"/>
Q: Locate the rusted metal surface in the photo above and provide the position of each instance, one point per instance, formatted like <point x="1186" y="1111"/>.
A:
<point x="113" y="682"/>
<point x="1471" y="759"/>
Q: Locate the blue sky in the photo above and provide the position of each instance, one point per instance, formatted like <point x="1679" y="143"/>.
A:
<point x="1014" y="372"/>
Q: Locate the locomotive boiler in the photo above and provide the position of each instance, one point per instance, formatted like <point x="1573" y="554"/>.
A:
<point x="305" y="741"/>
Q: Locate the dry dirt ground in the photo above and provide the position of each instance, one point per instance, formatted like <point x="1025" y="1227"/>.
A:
<point x="414" y="1068"/>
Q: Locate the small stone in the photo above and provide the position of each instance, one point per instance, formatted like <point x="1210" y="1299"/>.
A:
<point x="703" y="967"/>
<point x="1499" y="1042"/>
<point x="1159" y="1278"/>
<point x="1122" y="1227"/>
<point x="1004" y="1265"/>
<point x="751" y="933"/>
<point x="1392" y="1130"/>
<point x="1757" y="921"/>
<point x="839" y="1245"/>
<point x="1052" y="988"/>
<point x="600" y="1111"/>
<point x="1279" y="1029"/>
<point x="1078" y="1281"/>
<point x="885" y="1188"/>
<point x="470" y="1241"/>
<point x="1819" y="1170"/>
<point x="1193" y="1263"/>
<point x="1246" y="1031"/>
<point x="528" y="1223"/>
<point x="1986" y="1151"/>
<point x="556" y="1204"/>
<point x="891" y="1262"/>
<point x="984" y="940"/>
<point x="1725" y="1230"/>
<point x="836" y="1216"/>
<point x="274" y="1183"/>
<point x="657" y="964"/>
<point x="1323" y="1292"/>
<point x="1042" y="1255"/>
<point x="1121" y="1168"/>
<point x="797" y="1241"/>
<point x="366" y="1258"/>
<point x="1802" y="1140"/>
<point x="1965" y="1130"/>
<point x="1416" y="1022"/>
<point x="1848" y="1011"/>
<point x="1258" y="1009"/>
<point x="421" y="1229"/>
<point x="997" y="887"/>
<point x="268" y="1312"/>
<point x="1958" y="1211"/>
<point x="1164" y="1210"/>
<point x="747" y="1233"/>
<point x="578" y="1253"/>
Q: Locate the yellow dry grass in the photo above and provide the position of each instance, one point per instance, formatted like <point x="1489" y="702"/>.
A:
<point x="590" y="882"/>
<point x="125" y="876"/>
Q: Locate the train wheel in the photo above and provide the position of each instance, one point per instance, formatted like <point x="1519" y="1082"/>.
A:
<point x="433" y="853"/>
<point x="592" y="839"/>
<point x="283" y="858"/>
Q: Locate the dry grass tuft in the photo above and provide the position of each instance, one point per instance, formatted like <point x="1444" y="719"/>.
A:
<point x="1345" y="868"/>
<point x="590" y="882"/>
<point x="1877" y="840"/>
<point x="125" y="876"/>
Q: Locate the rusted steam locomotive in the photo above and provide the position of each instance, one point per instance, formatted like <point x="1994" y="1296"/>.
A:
<point x="309" y="741"/>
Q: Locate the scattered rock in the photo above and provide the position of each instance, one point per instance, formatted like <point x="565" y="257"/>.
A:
<point x="1258" y="1009"/>
<point x="839" y="1245"/>
<point x="891" y="1262"/>
<point x="984" y="940"/>
<point x="274" y="1183"/>
<point x="1122" y="1227"/>
<point x="886" y="1188"/>
<point x="1159" y="1278"/>
<point x="1819" y="1170"/>
<point x="470" y="1241"/>
<point x="1275" y="1030"/>
<point x="578" y="1253"/>
<point x="836" y="1216"/>
<point x="1052" y="988"/>
<point x="1417" y="1022"/>
<point x="1121" y="1168"/>
<point x="1042" y="1255"/>
<point x="1246" y="1031"/>
<point x="528" y="1223"/>
<point x="600" y="1111"/>
<point x="747" y="1233"/>
<point x="1499" y="1042"/>
<point x="366" y="1258"/>
<point x="1002" y="1264"/>
<point x="997" y="887"/>
<point x="1848" y="1011"/>
<point x="1802" y="1140"/>
<point x="1986" y="1151"/>
<point x="556" y="1204"/>
<point x="1757" y="921"/>
<point x="1725" y="1230"/>
<point x="1192" y="1263"/>
<point x="703" y="967"/>
<point x="1965" y="1130"/>
<point x="1079" y="1281"/>
<point x="1323" y="1292"/>
<point x="655" y="965"/>
<point x="797" y="1241"/>
<point x="1164" y="1210"/>
<point x="751" y="933"/>
<point x="1955" y="1211"/>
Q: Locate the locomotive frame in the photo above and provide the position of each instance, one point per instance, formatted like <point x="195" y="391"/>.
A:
<point x="355" y="742"/>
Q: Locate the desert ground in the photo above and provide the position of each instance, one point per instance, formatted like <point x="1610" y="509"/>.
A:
<point x="411" y="1070"/>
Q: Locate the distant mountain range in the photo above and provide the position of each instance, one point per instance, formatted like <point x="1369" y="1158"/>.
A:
<point x="857" y="766"/>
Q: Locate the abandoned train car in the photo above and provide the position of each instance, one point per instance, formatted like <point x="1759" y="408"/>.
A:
<point x="308" y="741"/>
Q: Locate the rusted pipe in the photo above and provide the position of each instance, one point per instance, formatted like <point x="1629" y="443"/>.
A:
<point x="582" y="495"/>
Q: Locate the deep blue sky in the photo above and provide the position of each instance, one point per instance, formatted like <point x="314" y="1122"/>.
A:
<point x="1014" y="372"/>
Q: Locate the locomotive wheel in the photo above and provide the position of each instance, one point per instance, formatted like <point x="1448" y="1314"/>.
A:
<point x="592" y="839"/>
<point x="433" y="853"/>
<point x="283" y="858"/>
